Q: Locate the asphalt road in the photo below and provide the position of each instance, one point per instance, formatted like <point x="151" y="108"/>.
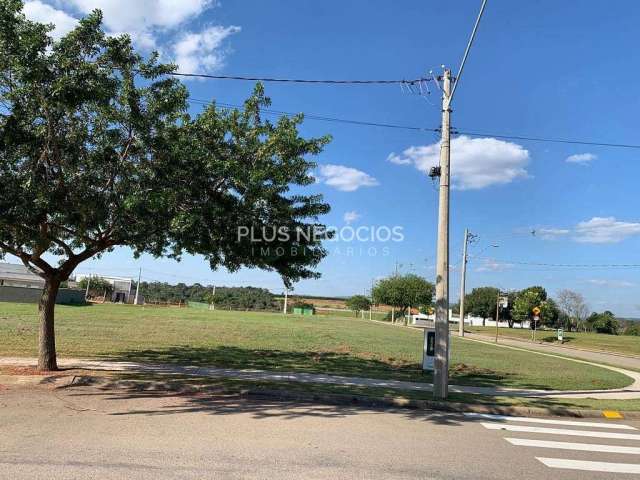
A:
<point x="86" y="433"/>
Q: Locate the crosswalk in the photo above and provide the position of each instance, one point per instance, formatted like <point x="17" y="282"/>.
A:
<point x="549" y="434"/>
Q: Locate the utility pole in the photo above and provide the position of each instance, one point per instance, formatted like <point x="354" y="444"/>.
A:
<point x="86" y="293"/>
<point x="463" y="278"/>
<point x="497" y="314"/>
<point x="135" y="301"/>
<point x="286" y="292"/>
<point x="441" y="359"/>
<point x="213" y="300"/>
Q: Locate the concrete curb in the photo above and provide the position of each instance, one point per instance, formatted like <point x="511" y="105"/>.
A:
<point x="335" y="398"/>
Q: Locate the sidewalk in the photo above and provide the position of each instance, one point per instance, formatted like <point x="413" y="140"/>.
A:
<point x="630" y="392"/>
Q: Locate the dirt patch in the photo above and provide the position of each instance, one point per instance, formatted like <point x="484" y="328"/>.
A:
<point x="32" y="371"/>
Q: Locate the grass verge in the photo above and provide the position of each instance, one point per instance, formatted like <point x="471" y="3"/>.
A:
<point x="271" y="341"/>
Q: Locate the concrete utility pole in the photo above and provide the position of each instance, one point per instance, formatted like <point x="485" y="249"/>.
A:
<point x="86" y="293"/>
<point x="463" y="279"/>
<point x="213" y="300"/>
<point x="497" y="313"/>
<point x="441" y="359"/>
<point x="286" y="292"/>
<point x="135" y="301"/>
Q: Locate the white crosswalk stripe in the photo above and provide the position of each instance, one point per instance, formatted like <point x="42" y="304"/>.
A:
<point x="561" y="431"/>
<point x="556" y="428"/>
<point x="550" y="421"/>
<point x="590" y="466"/>
<point x="585" y="447"/>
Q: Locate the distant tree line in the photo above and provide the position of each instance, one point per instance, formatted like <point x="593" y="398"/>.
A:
<point x="234" y="298"/>
<point x="568" y="310"/>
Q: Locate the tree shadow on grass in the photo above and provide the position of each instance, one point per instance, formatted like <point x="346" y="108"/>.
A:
<point x="325" y="362"/>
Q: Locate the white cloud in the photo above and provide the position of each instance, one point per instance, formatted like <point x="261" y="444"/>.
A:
<point x="475" y="162"/>
<point x="581" y="158"/>
<point x="201" y="51"/>
<point x="350" y="217"/>
<point x="152" y="24"/>
<point x="398" y="160"/>
<point x="345" y="179"/>
<point x="142" y="15"/>
<point x="490" y="265"/>
<point x="552" y="233"/>
<point x="611" y="283"/>
<point x="605" y="230"/>
<point x="43" y="13"/>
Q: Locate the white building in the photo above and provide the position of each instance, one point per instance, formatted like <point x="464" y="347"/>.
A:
<point x="121" y="287"/>
<point x="14" y="275"/>
<point x="423" y="320"/>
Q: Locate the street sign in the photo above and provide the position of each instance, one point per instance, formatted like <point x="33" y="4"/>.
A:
<point x="536" y="318"/>
<point x="503" y="302"/>
<point x="560" y="335"/>
<point x="536" y="311"/>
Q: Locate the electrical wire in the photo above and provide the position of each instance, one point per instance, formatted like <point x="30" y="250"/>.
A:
<point x="547" y="140"/>
<point x="323" y="118"/>
<point x="565" y="265"/>
<point x="415" y="81"/>
<point x="466" y="51"/>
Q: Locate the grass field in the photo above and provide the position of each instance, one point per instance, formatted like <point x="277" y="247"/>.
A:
<point x="625" y="344"/>
<point x="269" y="341"/>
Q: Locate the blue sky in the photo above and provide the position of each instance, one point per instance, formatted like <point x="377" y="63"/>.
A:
<point x="543" y="68"/>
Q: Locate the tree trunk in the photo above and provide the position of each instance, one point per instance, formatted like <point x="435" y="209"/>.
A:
<point x="484" y="322"/>
<point x="47" y="339"/>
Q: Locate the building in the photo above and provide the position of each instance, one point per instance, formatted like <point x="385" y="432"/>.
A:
<point x="422" y="320"/>
<point x="14" y="275"/>
<point x="121" y="287"/>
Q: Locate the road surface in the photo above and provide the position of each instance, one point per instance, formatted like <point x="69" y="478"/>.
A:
<point x="83" y="432"/>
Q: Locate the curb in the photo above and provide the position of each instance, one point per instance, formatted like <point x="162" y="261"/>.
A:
<point x="338" y="399"/>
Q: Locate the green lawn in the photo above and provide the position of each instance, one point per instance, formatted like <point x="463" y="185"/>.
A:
<point x="625" y="344"/>
<point x="321" y="344"/>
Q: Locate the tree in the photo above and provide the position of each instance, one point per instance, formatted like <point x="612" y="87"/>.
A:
<point x="482" y="302"/>
<point x="604" y="322"/>
<point x="507" y="313"/>
<point x="357" y="303"/>
<point x="573" y="305"/>
<point x="632" y="328"/>
<point x="97" y="285"/>
<point x="403" y="291"/>
<point x="98" y="151"/>
<point x="529" y="298"/>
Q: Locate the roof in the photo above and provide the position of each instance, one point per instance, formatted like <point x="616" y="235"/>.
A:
<point x="15" y="272"/>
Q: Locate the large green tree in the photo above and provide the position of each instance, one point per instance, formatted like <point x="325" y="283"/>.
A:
<point x="404" y="291"/>
<point x="98" y="150"/>
<point x="482" y="302"/>
<point x="357" y="303"/>
<point x="529" y="298"/>
<point x="604" y="322"/>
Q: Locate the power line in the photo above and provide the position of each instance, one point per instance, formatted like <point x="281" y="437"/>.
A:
<point x="415" y="81"/>
<point x="548" y="140"/>
<point x="565" y="265"/>
<point x="312" y="116"/>
<point x="466" y="51"/>
<point x="323" y="118"/>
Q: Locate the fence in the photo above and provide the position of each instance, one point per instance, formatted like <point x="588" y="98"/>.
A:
<point x="66" y="296"/>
